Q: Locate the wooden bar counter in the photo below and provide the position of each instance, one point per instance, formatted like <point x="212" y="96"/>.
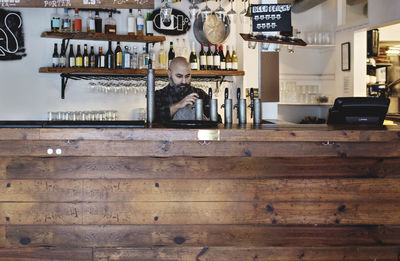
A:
<point x="277" y="192"/>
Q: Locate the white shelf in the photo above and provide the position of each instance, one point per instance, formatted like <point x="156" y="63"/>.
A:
<point x="320" y="46"/>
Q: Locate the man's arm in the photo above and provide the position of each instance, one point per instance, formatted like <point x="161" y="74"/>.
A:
<point x="188" y="100"/>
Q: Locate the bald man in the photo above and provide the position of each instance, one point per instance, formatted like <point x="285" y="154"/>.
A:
<point x="176" y="100"/>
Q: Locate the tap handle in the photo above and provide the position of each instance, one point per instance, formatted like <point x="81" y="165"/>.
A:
<point x="238" y="94"/>
<point x="252" y="94"/>
<point x="226" y="93"/>
<point x="210" y="93"/>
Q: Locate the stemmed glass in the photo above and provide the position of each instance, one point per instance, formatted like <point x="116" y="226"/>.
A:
<point x="231" y="13"/>
<point x="205" y="12"/>
<point x="220" y="12"/>
<point x="193" y="9"/>
<point x="244" y="7"/>
<point x="166" y="12"/>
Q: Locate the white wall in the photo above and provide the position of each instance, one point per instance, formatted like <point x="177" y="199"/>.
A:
<point x="26" y="94"/>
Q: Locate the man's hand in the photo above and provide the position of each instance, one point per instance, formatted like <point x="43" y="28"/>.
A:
<point x="188" y="100"/>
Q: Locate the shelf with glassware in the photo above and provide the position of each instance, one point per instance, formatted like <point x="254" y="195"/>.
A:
<point x="273" y="39"/>
<point x="104" y="37"/>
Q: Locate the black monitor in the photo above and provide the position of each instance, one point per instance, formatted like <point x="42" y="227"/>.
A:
<point x="358" y="110"/>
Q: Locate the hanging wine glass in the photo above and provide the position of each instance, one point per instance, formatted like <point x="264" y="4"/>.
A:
<point x="244" y="7"/>
<point x="220" y="12"/>
<point x="166" y="12"/>
<point x="193" y="10"/>
<point x="231" y="13"/>
<point x="205" y="12"/>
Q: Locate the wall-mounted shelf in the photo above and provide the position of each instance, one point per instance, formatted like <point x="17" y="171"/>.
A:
<point x="273" y="39"/>
<point x="93" y="73"/>
<point x="379" y="65"/>
<point x="104" y="37"/>
<point x="306" y="104"/>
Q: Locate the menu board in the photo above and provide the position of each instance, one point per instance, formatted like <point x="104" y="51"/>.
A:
<point x="272" y="18"/>
<point x="120" y="4"/>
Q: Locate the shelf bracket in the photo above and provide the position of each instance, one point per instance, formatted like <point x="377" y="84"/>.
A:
<point x="64" y="80"/>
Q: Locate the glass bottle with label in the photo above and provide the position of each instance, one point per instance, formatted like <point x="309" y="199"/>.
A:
<point x="56" y="56"/>
<point x="149" y="24"/>
<point x="101" y="59"/>
<point x="145" y="58"/>
<point x="118" y="56"/>
<point x="110" y="25"/>
<point x="210" y="58"/>
<point x="66" y="22"/>
<point x="228" y="59"/>
<point x="222" y="57"/>
<point x="110" y="57"/>
<point x="85" y="57"/>
<point x="92" y="58"/>
<point x="134" y="58"/>
<point x="78" y="57"/>
<point x="77" y="22"/>
<point x="126" y="58"/>
<point x="55" y="21"/>
<point x="203" y="58"/>
<point x="131" y="23"/>
<point x="171" y="53"/>
<point x="90" y="23"/>
<point x="234" y="61"/>
<point x="193" y="58"/>
<point x="98" y="23"/>
<point x="140" y="23"/>
<point x="71" y="56"/>
<point x="216" y="59"/>
<point x="162" y="57"/>
<point x="62" y="61"/>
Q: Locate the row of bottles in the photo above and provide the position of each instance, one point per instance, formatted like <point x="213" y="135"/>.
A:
<point x="137" y="25"/>
<point x="117" y="59"/>
<point x="213" y="60"/>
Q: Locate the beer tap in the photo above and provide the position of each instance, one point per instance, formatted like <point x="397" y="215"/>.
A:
<point x="210" y="93"/>
<point x="251" y="106"/>
<point x="227" y="107"/>
<point x="236" y="106"/>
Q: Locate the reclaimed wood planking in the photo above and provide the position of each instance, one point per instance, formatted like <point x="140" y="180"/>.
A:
<point x="195" y="167"/>
<point x="198" y="149"/>
<point x="45" y="254"/>
<point x="72" y="236"/>
<point x="222" y="213"/>
<point x="244" y="254"/>
<point x="182" y="190"/>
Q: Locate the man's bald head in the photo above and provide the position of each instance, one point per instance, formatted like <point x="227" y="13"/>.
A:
<point x="179" y="72"/>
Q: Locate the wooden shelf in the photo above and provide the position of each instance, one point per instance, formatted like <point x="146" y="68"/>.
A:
<point x="104" y="37"/>
<point x="296" y="41"/>
<point x="157" y="72"/>
<point x="379" y="65"/>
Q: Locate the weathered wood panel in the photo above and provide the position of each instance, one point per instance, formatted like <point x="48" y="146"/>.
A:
<point x="243" y="254"/>
<point x="275" y="190"/>
<point x="45" y="254"/>
<point x="195" y="168"/>
<point x="199" y="149"/>
<point x="70" y="236"/>
<point x="285" y="213"/>
<point x="19" y="134"/>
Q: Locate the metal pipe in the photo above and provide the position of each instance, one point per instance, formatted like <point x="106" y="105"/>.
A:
<point x="199" y="109"/>
<point x="150" y="94"/>
<point x="242" y="111"/>
<point x="257" y="111"/>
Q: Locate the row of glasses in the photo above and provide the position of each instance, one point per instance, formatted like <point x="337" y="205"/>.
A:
<point x="107" y="115"/>
<point x="292" y="93"/>
<point x="219" y="12"/>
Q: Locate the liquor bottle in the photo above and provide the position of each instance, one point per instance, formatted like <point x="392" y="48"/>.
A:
<point x="78" y="58"/>
<point x="149" y="24"/>
<point x="71" y="56"/>
<point x="162" y="57"/>
<point x="101" y="60"/>
<point x="126" y="58"/>
<point x="62" y="61"/>
<point x="92" y="58"/>
<point x="118" y="56"/>
<point x="66" y="25"/>
<point x="77" y="22"/>
<point x="222" y="58"/>
<point x="210" y="58"/>
<point x="90" y="23"/>
<point x="144" y="59"/>
<point x="86" y="62"/>
<point x="193" y="58"/>
<point x="131" y="23"/>
<point x="203" y="58"/>
<point x="217" y="59"/>
<point x="134" y="58"/>
<point x="228" y="59"/>
<point x="171" y="53"/>
<point x="55" y="22"/>
<point x="110" y="57"/>
<point x="98" y="23"/>
<point x="234" y="61"/>
<point x="140" y="23"/>
<point x="56" y="56"/>
<point x="110" y="25"/>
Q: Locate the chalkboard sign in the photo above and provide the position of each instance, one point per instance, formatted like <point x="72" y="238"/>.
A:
<point x="120" y="4"/>
<point x="271" y="18"/>
<point x="180" y="23"/>
<point x="11" y="36"/>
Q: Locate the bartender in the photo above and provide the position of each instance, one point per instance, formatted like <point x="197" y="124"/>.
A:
<point x="176" y="100"/>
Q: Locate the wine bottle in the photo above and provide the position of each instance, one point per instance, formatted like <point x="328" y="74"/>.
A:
<point x="92" y="58"/>
<point x="228" y="59"/>
<point x="210" y="58"/>
<point x="62" y="61"/>
<point x="149" y="24"/>
<point x="110" y="25"/>
<point x="90" y="23"/>
<point x="86" y="62"/>
<point x="55" y="22"/>
<point x="162" y="57"/>
<point x="77" y="22"/>
<point x="140" y="23"/>
<point x="234" y="61"/>
<point x="222" y="57"/>
<point x="56" y="56"/>
<point x="71" y="56"/>
<point x="216" y="59"/>
<point x="118" y="56"/>
<point x="66" y="24"/>
<point x="203" y="59"/>
<point x="78" y="58"/>
<point x="171" y="53"/>
<point x="98" y="23"/>
<point x="193" y="58"/>
<point x="101" y="60"/>
<point x="110" y="57"/>
<point x="131" y="23"/>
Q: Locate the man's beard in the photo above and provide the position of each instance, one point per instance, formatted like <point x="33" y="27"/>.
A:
<point x="182" y="89"/>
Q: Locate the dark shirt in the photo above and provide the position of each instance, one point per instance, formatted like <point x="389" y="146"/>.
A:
<point x="169" y="95"/>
